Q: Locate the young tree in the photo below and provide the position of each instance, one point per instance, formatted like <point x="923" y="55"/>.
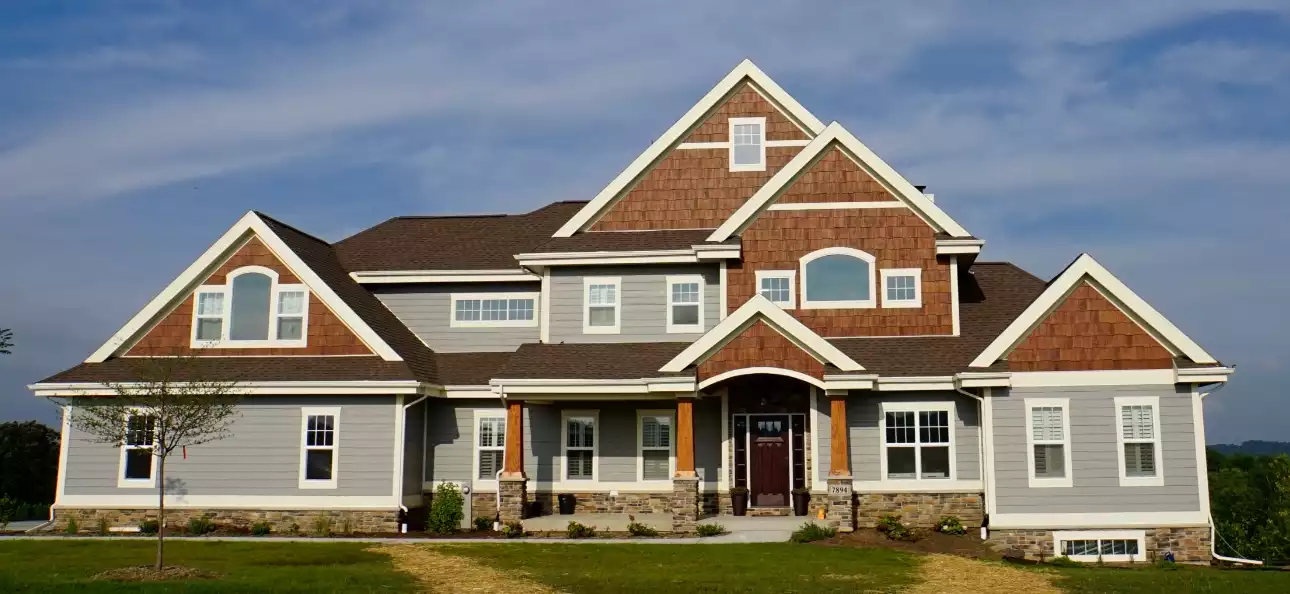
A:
<point x="6" y="340"/>
<point x="172" y="403"/>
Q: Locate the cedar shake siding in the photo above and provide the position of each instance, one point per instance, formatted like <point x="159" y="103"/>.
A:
<point x="746" y="102"/>
<point x="760" y="346"/>
<point x="1087" y="332"/>
<point x="896" y="237"/>
<point x="326" y="334"/>
<point x="835" y="177"/>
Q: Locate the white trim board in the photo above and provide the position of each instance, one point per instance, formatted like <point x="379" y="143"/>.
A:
<point x="442" y="276"/>
<point x="210" y="260"/>
<point x="699" y="112"/>
<point x="1085" y="267"/>
<point x="305" y="388"/>
<point x="1099" y="520"/>
<point x="865" y="158"/>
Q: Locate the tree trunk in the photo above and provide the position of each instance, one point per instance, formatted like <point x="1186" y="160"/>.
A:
<point x="161" y="513"/>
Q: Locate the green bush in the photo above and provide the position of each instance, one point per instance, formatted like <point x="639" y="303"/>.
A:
<point x="513" y="529"/>
<point x="149" y="527"/>
<point x="950" y="525"/>
<point x="261" y="529"/>
<point x="72" y="526"/>
<point x="1064" y="561"/>
<point x="104" y="526"/>
<point x="483" y="524"/>
<point x="200" y="525"/>
<point x="891" y="526"/>
<point x="445" y="509"/>
<point x="810" y="532"/>
<point x="577" y="530"/>
<point x="639" y="529"/>
<point x="293" y="529"/>
<point x="8" y="511"/>
<point x="346" y="524"/>
<point x="322" y="525"/>
<point x="713" y="529"/>
<point x="889" y="521"/>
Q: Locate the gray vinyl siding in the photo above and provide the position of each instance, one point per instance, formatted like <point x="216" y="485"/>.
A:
<point x="427" y="311"/>
<point x="1094" y="459"/>
<point x="450" y="434"/>
<point x="643" y="302"/>
<point x="823" y="438"/>
<point x="414" y="448"/>
<point x="863" y="411"/>
<point x="262" y="457"/>
<point x="707" y="440"/>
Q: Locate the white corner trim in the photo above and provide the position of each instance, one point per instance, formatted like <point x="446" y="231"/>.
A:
<point x="1202" y="461"/>
<point x="1136" y="535"/>
<point x="674" y="134"/>
<point x="1086" y="267"/>
<point x="954" y="294"/>
<point x="916" y="302"/>
<point x="987" y="434"/>
<point x="761" y="370"/>
<point x="814" y="479"/>
<point x="250" y="223"/>
<point x="544" y="302"/>
<point x="724" y="279"/>
<point x="760" y="165"/>
<point x="1064" y="404"/>
<point x="672" y="327"/>
<point x="587" y="282"/>
<point x="1099" y="520"/>
<point x="1109" y="377"/>
<point x="870" y="261"/>
<point x="65" y="436"/>
<point x="538" y="309"/>
<point x="759" y="307"/>
<point x="443" y="276"/>
<point x="791" y="275"/>
<point x="1158" y="480"/>
<point x="875" y="166"/>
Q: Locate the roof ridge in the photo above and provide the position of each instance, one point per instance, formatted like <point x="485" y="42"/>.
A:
<point x="276" y="221"/>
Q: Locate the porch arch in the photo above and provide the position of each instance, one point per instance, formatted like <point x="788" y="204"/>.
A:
<point x="761" y="370"/>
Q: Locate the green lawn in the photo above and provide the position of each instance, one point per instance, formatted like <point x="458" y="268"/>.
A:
<point x="1181" y="580"/>
<point x="66" y="566"/>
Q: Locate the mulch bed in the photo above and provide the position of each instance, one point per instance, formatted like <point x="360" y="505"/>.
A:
<point x="967" y="545"/>
<point x="147" y="573"/>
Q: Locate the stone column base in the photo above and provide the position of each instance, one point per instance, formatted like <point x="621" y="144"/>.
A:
<point x="685" y="503"/>
<point x="514" y="493"/>
<point x="841" y="504"/>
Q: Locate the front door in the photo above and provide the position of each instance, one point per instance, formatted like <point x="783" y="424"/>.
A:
<point x="769" y="460"/>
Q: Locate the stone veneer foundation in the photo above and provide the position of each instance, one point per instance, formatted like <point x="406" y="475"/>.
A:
<point x="839" y="502"/>
<point x="922" y="510"/>
<point x="685" y="504"/>
<point x="1189" y="545"/>
<point x="369" y="521"/>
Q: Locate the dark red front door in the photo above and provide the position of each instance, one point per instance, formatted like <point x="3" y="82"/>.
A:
<point x="769" y="469"/>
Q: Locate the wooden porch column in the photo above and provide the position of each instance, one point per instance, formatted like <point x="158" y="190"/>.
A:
<point x="838" y="447"/>
<point x="514" y="440"/>
<point x="685" y="437"/>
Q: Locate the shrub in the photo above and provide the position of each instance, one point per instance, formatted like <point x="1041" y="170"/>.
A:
<point x="261" y="529"/>
<point x="8" y="511"/>
<point x="810" y="532"/>
<point x="513" y="529"/>
<point x="149" y="527"/>
<point x="445" y="509"/>
<point x="639" y="529"/>
<point x="889" y="521"/>
<point x="483" y="524"/>
<point x="1063" y="561"/>
<point x="104" y="526"/>
<point x="322" y="525"/>
<point x="293" y="529"/>
<point x="738" y="490"/>
<point x="577" y="530"/>
<point x="950" y="525"/>
<point x="200" y="525"/>
<point x="72" y="526"/>
<point x="346" y="524"/>
<point x="710" y="529"/>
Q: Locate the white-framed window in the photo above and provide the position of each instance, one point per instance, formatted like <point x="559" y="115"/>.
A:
<point x="747" y="144"/>
<point x="902" y="287"/>
<point x="1138" y="441"/>
<point x="490" y="445"/>
<point x="1048" y="442"/>
<point x="138" y="465"/>
<point x="655" y="442"/>
<point x="319" y="447"/>
<point x="1112" y="546"/>
<point x="777" y="286"/>
<point x="685" y="303"/>
<point x="252" y="309"/>
<point x="837" y="278"/>
<point x="578" y="446"/>
<point x="493" y="310"/>
<point x="917" y="441"/>
<point x="602" y="310"/>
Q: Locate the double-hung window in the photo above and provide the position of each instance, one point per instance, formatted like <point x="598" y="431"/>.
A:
<point x="918" y="441"/>
<point x="579" y="446"/>
<point x="902" y="287"/>
<point x="210" y="316"/>
<point x="655" y="432"/>
<point x="251" y="309"/>
<point x="291" y="314"/>
<point x="137" y="461"/>
<point x="320" y="429"/>
<point x="602" y="305"/>
<point x="777" y="286"/>
<point x="1138" y="437"/>
<point x="1048" y="437"/>
<point x="491" y="310"/>
<point x="490" y="443"/>
<point x="747" y="144"/>
<point x="685" y="303"/>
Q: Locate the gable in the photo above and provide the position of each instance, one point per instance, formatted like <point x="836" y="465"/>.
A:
<point x="1086" y="333"/>
<point x="760" y="345"/>
<point x="835" y="177"/>
<point x="746" y="101"/>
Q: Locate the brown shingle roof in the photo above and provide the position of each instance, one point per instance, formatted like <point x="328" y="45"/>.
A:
<point x="487" y="242"/>
<point x="615" y="241"/>
<point x="469" y="369"/>
<point x="264" y="369"/>
<point x="590" y="361"/>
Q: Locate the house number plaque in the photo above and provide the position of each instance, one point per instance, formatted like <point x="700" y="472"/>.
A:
<point x="840" y="489"/>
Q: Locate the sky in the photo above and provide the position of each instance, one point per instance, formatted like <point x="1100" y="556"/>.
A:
<point x="1152" y="134"/>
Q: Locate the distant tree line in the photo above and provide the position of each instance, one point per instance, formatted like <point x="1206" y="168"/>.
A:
<point x="1250" y="501"/>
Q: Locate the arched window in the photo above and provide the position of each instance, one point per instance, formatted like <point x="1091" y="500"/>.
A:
<point x="250" y="319"/>
<point x="251" y="309"/>
<point x="837" y="277"/>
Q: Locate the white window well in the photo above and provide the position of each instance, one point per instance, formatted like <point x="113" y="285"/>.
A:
<point x="655" y="443"/>
<point x="578" y="448"/>
<point x="138" y="465"/>
<point x="777" y="286"/>
<point x="918" y="441"/>
<point x="684" y="304"/>
<point x="494" y="310"/>
<point x="602" y="306"/>
<point x="252" y="309"/>
<point x="837" y="278"/>
<point x="902" y="287"/>
<point x="1048" y="442"/>
<point x="490" y="443"/>
<point x="1111" y="546"/>
<point x="1138" y="441"/>
<point x="747" y="144"/>
<point x="319" y="447"/>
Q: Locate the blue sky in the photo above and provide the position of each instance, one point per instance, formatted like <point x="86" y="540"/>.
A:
<point x="1152" y="134"/>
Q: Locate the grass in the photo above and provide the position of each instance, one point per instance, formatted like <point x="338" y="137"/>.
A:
<point x="778" y="568"/>
<point x="1180" y="580"/>
<point x="67" y="566"/>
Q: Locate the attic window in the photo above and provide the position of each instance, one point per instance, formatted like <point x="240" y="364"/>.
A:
<point x="747" y="144"/>
<point x="252" y="309"/>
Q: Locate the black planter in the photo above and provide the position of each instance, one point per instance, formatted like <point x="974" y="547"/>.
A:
<point x="566" y="504"/>
<point x="739" y="501"/>
<point x="801" y="503"/>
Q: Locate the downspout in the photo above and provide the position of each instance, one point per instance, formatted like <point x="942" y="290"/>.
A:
<point x="497" y="524"/>
<point x="403" y="451"/>
<point x="1213" y="528"/>
<point x="980" y="446"/>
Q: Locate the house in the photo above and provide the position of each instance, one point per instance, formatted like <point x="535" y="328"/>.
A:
<point x="757" y="301"/>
